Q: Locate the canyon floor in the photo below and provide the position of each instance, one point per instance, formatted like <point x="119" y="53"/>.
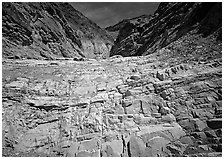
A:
<point x="168" y="103"/>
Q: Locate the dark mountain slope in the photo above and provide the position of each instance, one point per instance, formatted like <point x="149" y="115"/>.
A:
<point x="51" y="30"/>
<point x="121" y="24"/>
<point x="170" y="22"/>
<point x="114" y="30"/>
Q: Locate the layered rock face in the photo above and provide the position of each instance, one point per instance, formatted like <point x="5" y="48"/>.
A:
<point x="51" y="30"/>
<point x="165" y="104"/>
<point x="170" y="22"/>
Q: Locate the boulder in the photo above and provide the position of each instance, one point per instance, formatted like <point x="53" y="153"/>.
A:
<point x="187" y="124"/>
<point x="193" y="124"/>
<point x="37" y="137"/>
<point x="169" y="118"/>
<point x="175" y="132"/>
<point x="199" y="125"/>
<point x="136" y="147"/>
<point x="155" y="146"/>
<point x="186" y="140"/>
<point x="107" y="151"/>
<point x="117" y="147"/>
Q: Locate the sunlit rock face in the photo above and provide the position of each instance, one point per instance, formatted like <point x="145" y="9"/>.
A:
<point x="163" y="104"/>
<point x="51" y="30"/>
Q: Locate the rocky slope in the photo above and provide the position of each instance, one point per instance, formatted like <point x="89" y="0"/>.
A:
<point x="170" y="22"/>
<point x="121" y="24"/>
<point x="114" y="30"/>
<point x="50" y="30"/>
<point x="168" y="103"/>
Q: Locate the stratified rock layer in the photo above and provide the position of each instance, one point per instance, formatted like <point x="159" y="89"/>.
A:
<point x="165" y="104"/>
<point x="49" y="31"/>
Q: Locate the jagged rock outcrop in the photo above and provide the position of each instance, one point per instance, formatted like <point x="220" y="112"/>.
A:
<point x="170" y="22"/>
<point x="165" y="104"/>
<point x="50" y="30"/>
<point x="168" y="103"/>
<point x="114" y="30"/>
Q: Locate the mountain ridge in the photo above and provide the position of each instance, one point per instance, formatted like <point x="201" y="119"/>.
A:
<point x="169" y="22"/>
<point x="51" y="30"/>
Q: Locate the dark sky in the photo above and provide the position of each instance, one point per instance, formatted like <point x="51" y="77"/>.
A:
<point x="109" y="13"/>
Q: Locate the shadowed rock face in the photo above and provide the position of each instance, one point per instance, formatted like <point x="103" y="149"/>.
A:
<point x="51" y="30"/>
<point x="114" y="30"/>
<point x="170" y="22"/>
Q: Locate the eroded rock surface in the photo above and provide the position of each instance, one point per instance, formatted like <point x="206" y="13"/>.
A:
<point x="146" y="34"/>
<point x="157" y="105"/>
<point x="168" y="103"/>
<point x="51" y="31"/>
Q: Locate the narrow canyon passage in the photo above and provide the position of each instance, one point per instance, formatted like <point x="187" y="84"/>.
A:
<point x="133" y="79"/>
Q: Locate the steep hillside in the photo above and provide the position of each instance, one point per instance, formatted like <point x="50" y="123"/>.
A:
<point x="121" y="24"/>
<point x="50" y="30"/>
<point x="114" y="30"/>
<point x="170" y="22"/>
